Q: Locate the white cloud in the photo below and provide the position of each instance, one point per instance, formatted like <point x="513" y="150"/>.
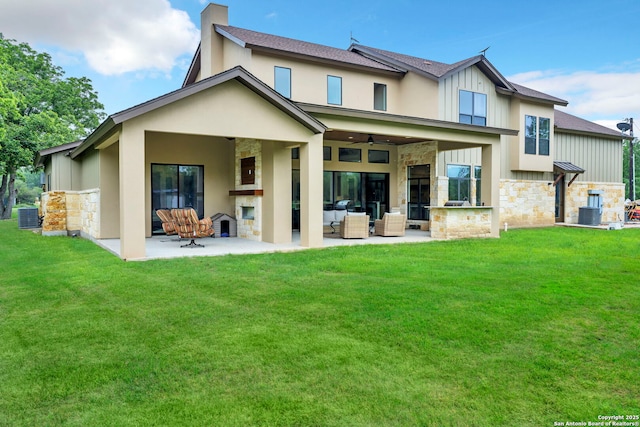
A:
<point x="605" y="96"/>
<point x="115" y="36"/>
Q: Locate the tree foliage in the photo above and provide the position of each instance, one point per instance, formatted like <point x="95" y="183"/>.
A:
<point x="39" y="108"/>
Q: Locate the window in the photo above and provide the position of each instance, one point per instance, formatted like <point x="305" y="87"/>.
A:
<point x="334" y="90"/>
<point x="530" y="123"/>
<point x="326" y="153"/>
<point x="379" y="97"/>
<point x="459" y="182"/>
<point x="353" y="155"/>
<point x="537" y="132"/>
<point x="378" y="156"/>
<point x="477" y="173"/>
<point x="282" y="80"/>
<point x="543" y="136"/>
<point x="473" y="108"/>
<point x="295" y="153"/>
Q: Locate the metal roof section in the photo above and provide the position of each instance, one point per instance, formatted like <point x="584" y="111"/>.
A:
<point x="301" y="49"/>
<point x="567" y="167"/>
<point x="237" y="73"/>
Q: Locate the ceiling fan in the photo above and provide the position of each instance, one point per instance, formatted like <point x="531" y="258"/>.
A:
<point x="372" y="141"/>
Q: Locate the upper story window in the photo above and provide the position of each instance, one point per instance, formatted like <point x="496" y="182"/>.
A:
<point x="334" y="90"/>
<point x="537" y="133"/>
<point x="282" y="79"/>
<point x="379" y="97"/>
<point x="473" y="108"/>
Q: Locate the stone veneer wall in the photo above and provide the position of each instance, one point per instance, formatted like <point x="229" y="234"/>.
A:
<point x="577" y="196"/>
<point x="527" y="203"/>
<point x="250" y="229"/>
<point x="71" y="211"/>
<point x="54" y="211"/>
<point x="412" y="155"/>
<point x="461" y="222"/>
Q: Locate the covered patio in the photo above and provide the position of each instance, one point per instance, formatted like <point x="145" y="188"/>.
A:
<point x="166" y="247"/>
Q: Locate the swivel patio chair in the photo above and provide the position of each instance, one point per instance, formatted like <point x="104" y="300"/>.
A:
<point x="189" y="226"/>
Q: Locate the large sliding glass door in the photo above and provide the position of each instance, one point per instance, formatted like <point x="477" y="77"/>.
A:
<point x="176" y="186"/>
<point x="367" y="192"/>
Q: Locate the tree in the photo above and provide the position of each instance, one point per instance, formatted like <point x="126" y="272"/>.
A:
<point x="625" y="165"/>
<point x="39" y="108"/>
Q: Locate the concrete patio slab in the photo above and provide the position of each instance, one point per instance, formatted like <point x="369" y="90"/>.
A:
<point x="163" y="247"/>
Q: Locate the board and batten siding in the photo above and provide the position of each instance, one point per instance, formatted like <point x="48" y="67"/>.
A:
<point x="600" y="158"/>
<point x="473" y="80"/>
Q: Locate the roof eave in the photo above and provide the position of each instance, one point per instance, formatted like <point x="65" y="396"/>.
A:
<point x="516" y="94"/>
<point x="361" y="114"/>
<point x="105" y="128"/>
<point x="194" y="68"/>
<point x="612" y="137"/>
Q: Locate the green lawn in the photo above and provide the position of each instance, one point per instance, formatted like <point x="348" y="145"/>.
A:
<point x="537" y="327"/>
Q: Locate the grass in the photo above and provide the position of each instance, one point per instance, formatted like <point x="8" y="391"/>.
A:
<point x="537" y="327"/>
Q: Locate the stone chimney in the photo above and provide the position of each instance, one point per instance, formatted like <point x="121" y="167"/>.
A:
<point x="211" y="43"/>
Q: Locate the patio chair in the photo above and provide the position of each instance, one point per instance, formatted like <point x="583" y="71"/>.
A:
<point x="354" y="226"/>
<point x="391" y="224"/>
<point x="168" y="222"/>
<point x="189" y="226"/>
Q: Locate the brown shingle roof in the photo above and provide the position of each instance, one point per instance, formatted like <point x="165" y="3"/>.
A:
<point x="291" y="46"/>
<point x="435" y="68"/>
<point x="523" y="90"/>
<point x="564" y="121"/>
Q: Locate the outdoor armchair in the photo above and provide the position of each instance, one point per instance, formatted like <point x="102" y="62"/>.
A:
<point x="354" y="226"/>
<point x="390" y="225"/>
<point x="190" y="227"/>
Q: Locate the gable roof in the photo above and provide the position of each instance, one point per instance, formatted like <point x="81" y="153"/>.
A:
<point x="311" y="51"/>
<point x="237" y="73"/>
<point x="567" y="122"/>
<point x="438" y="70"/>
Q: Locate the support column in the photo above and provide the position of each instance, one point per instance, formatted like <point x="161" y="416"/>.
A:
<point x="276" y="203"/>
<point x="311" y="192"/>
<point x="491" y="184"/>
<point x="132" y="193"/>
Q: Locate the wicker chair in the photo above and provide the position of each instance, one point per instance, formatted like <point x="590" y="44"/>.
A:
<point x="189" y="226"/>
<point x="390" y="225"/>
<point x="168" y="222"/>
<point x="354" y="227"/>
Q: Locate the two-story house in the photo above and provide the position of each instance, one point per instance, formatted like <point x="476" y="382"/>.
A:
<point x="274" y="130"/>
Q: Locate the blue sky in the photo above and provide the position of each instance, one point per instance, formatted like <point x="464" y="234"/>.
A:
<point x="584" y="51"/>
